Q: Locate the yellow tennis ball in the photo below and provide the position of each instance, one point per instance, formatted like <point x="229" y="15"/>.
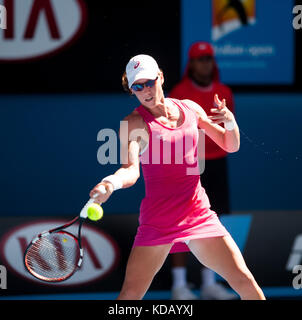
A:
<point x="95" y="212"/>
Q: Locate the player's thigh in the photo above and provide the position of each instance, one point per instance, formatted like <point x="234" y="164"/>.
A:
<point x="220" y="254"/>
<point x="145" y="261"/>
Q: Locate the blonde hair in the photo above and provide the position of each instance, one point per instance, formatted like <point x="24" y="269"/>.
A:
<point x="125" y="83"/>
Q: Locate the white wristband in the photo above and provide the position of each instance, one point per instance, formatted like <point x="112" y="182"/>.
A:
<point x="229" y="125"/>
<point x="115" y="181"/>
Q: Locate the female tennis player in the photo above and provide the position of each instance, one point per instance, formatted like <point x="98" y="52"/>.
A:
<point x="176" y="207"/>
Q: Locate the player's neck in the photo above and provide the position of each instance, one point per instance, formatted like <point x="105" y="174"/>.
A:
<point x="162" y="109"/>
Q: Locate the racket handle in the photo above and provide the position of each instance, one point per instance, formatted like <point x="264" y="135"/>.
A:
<point x="102" y="190"/>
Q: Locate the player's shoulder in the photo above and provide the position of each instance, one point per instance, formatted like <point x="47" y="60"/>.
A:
<point x="134" y="120"/>
<point x="195" y="107"/>
<point x="192" y="104"/>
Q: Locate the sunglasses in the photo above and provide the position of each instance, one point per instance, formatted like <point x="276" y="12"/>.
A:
<point x="141" y="86"/>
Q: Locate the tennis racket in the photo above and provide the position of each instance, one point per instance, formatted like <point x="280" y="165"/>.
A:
<point x="55" y="255"/>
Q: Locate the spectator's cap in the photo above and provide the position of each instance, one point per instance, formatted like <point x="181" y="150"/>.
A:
<point x="201" y="49"/>
<point x="141" y="66"/>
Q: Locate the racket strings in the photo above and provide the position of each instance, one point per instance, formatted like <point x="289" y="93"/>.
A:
<point x="53" y="257"/>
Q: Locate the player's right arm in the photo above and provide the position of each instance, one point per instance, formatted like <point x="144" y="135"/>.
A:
<point x="131" y="144"/>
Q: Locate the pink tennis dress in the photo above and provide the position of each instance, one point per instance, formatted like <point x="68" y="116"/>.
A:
<point x="176" y="208"/>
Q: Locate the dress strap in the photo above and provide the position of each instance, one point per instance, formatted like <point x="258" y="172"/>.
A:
<point x="146" y="115"/>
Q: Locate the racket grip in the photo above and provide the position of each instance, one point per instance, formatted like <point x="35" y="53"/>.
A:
<point x="101" y="190"/>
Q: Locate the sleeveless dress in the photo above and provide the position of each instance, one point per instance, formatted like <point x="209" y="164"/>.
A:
<point x="176" y="208"/>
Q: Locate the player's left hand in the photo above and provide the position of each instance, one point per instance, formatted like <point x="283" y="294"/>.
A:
<point x="223" y="113"/>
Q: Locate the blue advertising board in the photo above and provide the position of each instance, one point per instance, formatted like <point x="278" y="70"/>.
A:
<point x="253" y="40"/>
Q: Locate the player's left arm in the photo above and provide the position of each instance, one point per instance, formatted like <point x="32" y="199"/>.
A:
<point x="228" y="138"/>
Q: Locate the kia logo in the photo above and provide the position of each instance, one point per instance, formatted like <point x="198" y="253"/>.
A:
<point x="36" y="28"/>
<point x="101" y="253"/>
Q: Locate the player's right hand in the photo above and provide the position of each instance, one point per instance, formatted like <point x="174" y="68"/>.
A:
<point x="97" y="192"/>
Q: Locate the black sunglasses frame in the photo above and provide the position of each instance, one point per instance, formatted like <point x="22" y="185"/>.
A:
<point x="141" y="86"/>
